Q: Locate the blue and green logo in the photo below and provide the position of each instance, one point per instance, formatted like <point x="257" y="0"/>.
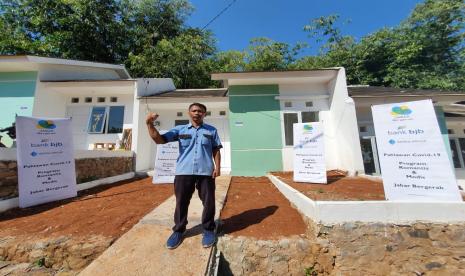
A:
<point x="46" y="124"/>
<point x="402" y="110"/>
<point x="308" y="128"/>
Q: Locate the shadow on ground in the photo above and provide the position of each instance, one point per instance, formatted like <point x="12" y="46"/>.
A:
<point x="245" y="219"/>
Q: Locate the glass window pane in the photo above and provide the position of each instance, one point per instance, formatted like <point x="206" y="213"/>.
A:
<point x="455" y="156"/>
<point x="367" y="155"/>
<point x="289" y="120"/>
<point x="308" y="117"/>
<point x="116" y="119"/>
<point x="462" y="148"/>
<point x="97" y="119"/>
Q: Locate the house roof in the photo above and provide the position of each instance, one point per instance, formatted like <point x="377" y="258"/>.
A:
<point x="360" y="91"/>
<point x="191" y="93"/>
<point x="89" y="80"/>
<point x="354" y="91"/>
<point x="276" y="71"/>
<point x="13" y="62"/>
<point x="275" y="77"/>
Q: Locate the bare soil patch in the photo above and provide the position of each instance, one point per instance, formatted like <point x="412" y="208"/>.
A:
<point x="339" y="187"/>
<point x="255" y="208"/>
<point x="65" y="236"/>
<point x="109" y="210"/>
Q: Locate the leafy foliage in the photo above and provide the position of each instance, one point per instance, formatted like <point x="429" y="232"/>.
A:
<point x="424" y="51"/>
<point x="263" y="54"/>
<point x="148" y="36"/>
<point x="185" y="58"/>
<point x="427" y="50"/>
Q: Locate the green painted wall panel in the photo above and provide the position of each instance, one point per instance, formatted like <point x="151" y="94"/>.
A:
<point x="255" y="163"/>
<point x="255" y="122"/>
<point x="18" y="76"/>
<point x="17" y="91"/>
<point x="253" y="90"/>
<point x="255" y="129"/>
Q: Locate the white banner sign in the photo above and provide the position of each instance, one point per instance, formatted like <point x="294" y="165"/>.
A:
<point x="165" y="163"/>
<point x="309" y="156"/>
<point x="46" y="170"/>
<point x="412" y="154"/>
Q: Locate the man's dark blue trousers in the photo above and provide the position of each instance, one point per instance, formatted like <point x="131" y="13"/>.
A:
<point x="184" y="187"/>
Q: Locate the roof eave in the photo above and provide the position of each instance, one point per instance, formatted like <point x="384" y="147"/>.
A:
<point x="273" y="74"/>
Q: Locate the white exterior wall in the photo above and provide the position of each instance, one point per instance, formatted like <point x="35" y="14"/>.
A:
<point x="336" y="111"/>
<point x="55" y="102"/>
<point x="123" y="100"/>
<point x="342" y="135"/>
<point x="301" y="92"/>
<point x="48" y="103"/>
<point x="141" y="141"/>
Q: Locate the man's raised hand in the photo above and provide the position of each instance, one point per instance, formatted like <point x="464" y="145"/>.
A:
<point x="151" y="117"/>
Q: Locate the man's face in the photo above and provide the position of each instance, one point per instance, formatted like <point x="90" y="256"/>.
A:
<point x="197" y="114"/>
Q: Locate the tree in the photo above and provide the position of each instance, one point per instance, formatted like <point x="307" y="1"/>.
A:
<point x="96" y="30"/>
<point x="262" y="54"/>
<point x="84" y="29"/>
<point x="424" y="51"/>
<point x="230" y="61"/>
<point x="429" y="47"/>
<point x="186" y="58"/>
<point x="150" y="21"/>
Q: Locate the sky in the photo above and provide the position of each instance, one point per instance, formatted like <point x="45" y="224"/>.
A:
<point x="283" y="21"/>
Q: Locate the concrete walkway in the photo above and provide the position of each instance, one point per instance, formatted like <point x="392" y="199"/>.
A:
<point x="141" y="251"/>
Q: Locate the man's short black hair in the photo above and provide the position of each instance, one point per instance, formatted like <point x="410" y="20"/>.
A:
<point x="202" y="106"/>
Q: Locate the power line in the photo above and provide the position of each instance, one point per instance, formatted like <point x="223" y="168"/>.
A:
<point x="219" y="14"/>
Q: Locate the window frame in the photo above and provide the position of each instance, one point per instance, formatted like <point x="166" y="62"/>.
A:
<point x="106" y="119"/>
<point x="103" y="127"/>
<point x="299" y="120"/>
<point x="459" y="149"/>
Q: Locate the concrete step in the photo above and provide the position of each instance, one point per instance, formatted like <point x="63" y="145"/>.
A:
<point x="141" y="251"/>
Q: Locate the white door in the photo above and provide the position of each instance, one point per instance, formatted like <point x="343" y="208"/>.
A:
<point x="222" y="125"/>
<point x="79" y="119"/>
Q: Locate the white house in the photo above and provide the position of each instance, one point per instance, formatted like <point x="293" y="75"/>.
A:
<point x="450" y="112"/>
<point x="254" y="112"/>
<point x="98" y="97"/>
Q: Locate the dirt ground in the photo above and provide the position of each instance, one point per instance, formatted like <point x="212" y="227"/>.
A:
<point x="339" y="187"/>
<point x="109" y="210"/>
<point x="255" y="208"/>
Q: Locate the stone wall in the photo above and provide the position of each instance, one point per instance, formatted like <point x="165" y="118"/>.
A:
<point x="90" y="169"/>
<point x="8" y="179"/>
<point x="351" y="249"/>
<point x="380" y="249"/>
<point x="287" y="256"/>
<point x="62" y="253"/>
<point x="87" y="169"/>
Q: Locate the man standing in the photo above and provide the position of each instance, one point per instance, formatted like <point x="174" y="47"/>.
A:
<point x="199" y="146"/>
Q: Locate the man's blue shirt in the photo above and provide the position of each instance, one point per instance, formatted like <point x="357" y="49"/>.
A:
<point x="195" y="148"/>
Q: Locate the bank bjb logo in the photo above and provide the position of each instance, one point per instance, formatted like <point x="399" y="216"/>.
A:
<point x="402" y="110"/>
<point x="308" y="128"/>
<point x="45" y="124"/>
